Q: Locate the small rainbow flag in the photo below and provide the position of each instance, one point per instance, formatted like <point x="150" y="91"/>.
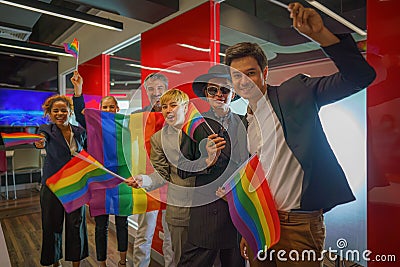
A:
<point x="13" y="139"/>
<point x="72" y="48"/>
<point x="252" y="207"/>
<point x="75" y="183"/>
<point x="192" y="121"/>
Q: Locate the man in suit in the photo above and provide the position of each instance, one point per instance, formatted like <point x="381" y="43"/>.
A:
<point x="211" y="231"/>
<point x="285" y="131"/>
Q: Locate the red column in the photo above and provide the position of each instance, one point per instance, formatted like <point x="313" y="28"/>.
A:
<point x="168" y="48"/>
<point x="383" y="133"/>
<point x="96" y="75"/>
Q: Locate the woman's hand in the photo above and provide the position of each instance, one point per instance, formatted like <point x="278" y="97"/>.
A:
<point x="77" y="81"/>
<point x="41" y="143"/>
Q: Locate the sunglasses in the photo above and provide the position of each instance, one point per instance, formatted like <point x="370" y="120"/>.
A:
<point x="213" y="90"/>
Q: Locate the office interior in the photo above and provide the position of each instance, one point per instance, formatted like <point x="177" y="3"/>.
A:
<point x="177" y="35"/>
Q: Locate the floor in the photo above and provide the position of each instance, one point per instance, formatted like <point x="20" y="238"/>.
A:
<point x="21" y="225"/>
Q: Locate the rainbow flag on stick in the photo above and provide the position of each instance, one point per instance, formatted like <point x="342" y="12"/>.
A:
<point x="122" y="143"/>
<point x="13" y="139"/>
<point x="73" y="49"/>
<point x="75" y="182"/>
<point x="192" y="121"/>
<point x="252" y="207"/>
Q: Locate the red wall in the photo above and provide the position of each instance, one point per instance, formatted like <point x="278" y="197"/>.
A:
<point x="161" y="49"/>
<point x="161" y="46"/>
<point x="383" y="135"/>
<point x="96" y="75"/>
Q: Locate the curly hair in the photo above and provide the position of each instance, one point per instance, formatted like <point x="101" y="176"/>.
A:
<point x="48" y="104"/>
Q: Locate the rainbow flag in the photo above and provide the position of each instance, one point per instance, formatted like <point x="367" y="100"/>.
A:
<point x="192" y="121"/>
<point x="252" y="207"/>
<point x="122" y="143"/>
<point x="75" y="183"/>
<point x="13" y="139"/>
<point x="72" y="48"/>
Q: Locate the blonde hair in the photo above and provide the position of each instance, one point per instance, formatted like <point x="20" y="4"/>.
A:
<point x="175" y="95"/>
<point x="49" y="102"/>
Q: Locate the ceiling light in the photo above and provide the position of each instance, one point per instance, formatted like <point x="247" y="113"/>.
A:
<point x="195" y="47"/>
<point x="152" y="68"/>
<point x="57" y="11"/>
<point x="14" y="44"/>
<point x="335" y="16"/>
<point x="328" y="12"/>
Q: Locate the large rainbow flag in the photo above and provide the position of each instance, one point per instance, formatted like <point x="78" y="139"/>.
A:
<point x="122" y="143"/>
<point x="252" y="207"/>
<point x="72" y="48"/>
<point x="13" y="139"/>
<point x="74" y="183"/>
<point x="192" y="121"/>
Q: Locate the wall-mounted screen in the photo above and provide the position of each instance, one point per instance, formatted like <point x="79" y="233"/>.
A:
<point x="22" y="107"/>
<point x="28" y="72"/>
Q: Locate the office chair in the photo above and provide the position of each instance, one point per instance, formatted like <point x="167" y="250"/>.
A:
<point x="25" y="160"/>
<point x="3" y="171"/>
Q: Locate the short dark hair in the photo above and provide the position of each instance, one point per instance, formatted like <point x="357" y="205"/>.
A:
<point x="246" y="49"/>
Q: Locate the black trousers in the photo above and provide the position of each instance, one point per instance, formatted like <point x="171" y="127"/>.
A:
<point x="101" y="234"/>
<point x="194" y="256"/>
<point x="76" y="239"/>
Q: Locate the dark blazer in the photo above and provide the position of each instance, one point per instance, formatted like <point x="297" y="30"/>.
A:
<point x="57" y="150"/>
<point x="297" y="102"/>
<point x="79" y="106"/>
<point x="210" y="224"/>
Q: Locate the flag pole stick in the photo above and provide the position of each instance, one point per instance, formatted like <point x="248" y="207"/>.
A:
<point x="77" y="58"/>
<point x="97" y="165"/>
<point x="209" y="127"/>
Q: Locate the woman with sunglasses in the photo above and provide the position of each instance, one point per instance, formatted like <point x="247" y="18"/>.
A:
<point x="212" y="235"/>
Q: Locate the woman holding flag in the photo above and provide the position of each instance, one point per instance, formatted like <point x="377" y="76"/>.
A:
<point x="108" y="104"/>
<point x="60" y="140"/>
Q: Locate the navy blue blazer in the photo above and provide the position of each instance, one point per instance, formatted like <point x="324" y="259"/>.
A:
<point x="79" y="106"/>
<point x="297" y="102"/>
<point x="57" y="150"/>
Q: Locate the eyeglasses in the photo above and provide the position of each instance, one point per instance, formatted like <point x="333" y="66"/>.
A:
<point x="213" y="90"/>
